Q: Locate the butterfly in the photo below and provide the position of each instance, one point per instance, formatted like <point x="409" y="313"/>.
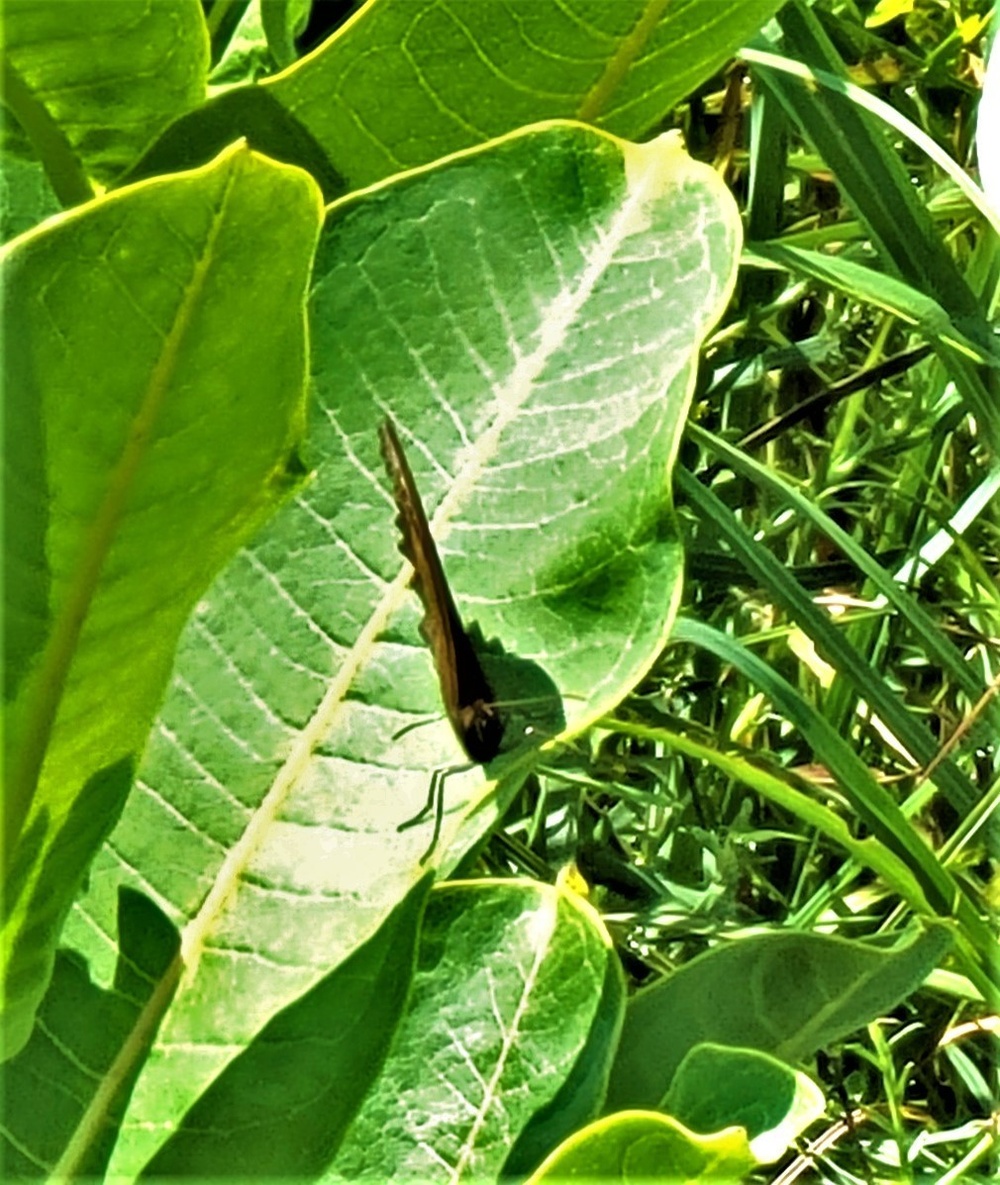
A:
<point x="465" y="690"/>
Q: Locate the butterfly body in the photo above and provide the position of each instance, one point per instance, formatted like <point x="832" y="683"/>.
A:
<point x="466" y="691"/>
<point x="480" y="730"/>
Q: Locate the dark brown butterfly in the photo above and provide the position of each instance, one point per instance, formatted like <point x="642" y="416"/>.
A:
<point x="466" y="692"/>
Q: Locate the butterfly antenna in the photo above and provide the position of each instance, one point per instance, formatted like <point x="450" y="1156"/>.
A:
<point x="415" y="724"/>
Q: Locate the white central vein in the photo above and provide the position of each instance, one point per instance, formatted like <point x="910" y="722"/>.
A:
<point x="510" y="399"/>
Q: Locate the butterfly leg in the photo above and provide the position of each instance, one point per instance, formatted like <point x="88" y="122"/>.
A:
<point x="435" y="804"/>
<point x="425" y="810"/>
<point x="437" y="793"/>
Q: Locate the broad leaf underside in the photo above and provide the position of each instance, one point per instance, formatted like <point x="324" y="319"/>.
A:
<point x="530" y="316"/>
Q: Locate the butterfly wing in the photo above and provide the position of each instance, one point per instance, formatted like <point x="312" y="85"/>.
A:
<point x="465" y="690"/>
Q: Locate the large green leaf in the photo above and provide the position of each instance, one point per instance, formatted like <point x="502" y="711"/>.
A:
<point x="582" y="1093"/>
<point x="406" y="81"/>
<point x="647" y="1146"/>
<point x="511" y="982"/>
<point x="721" y="1086"/>
<point x="49" y="1086"/>
<point x="153" y="395"/>
<point x="465" y="73"/>
<point x="785" y="993"/>
<point x="92" y="84"/>
<point x="282" y="1107"/>
<point x="25" y="197"/>
<point x="279" y="1109"/>
<point x="531" y="315"/>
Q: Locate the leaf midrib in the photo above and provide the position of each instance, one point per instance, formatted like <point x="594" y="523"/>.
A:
<point x="48" y="686"/>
